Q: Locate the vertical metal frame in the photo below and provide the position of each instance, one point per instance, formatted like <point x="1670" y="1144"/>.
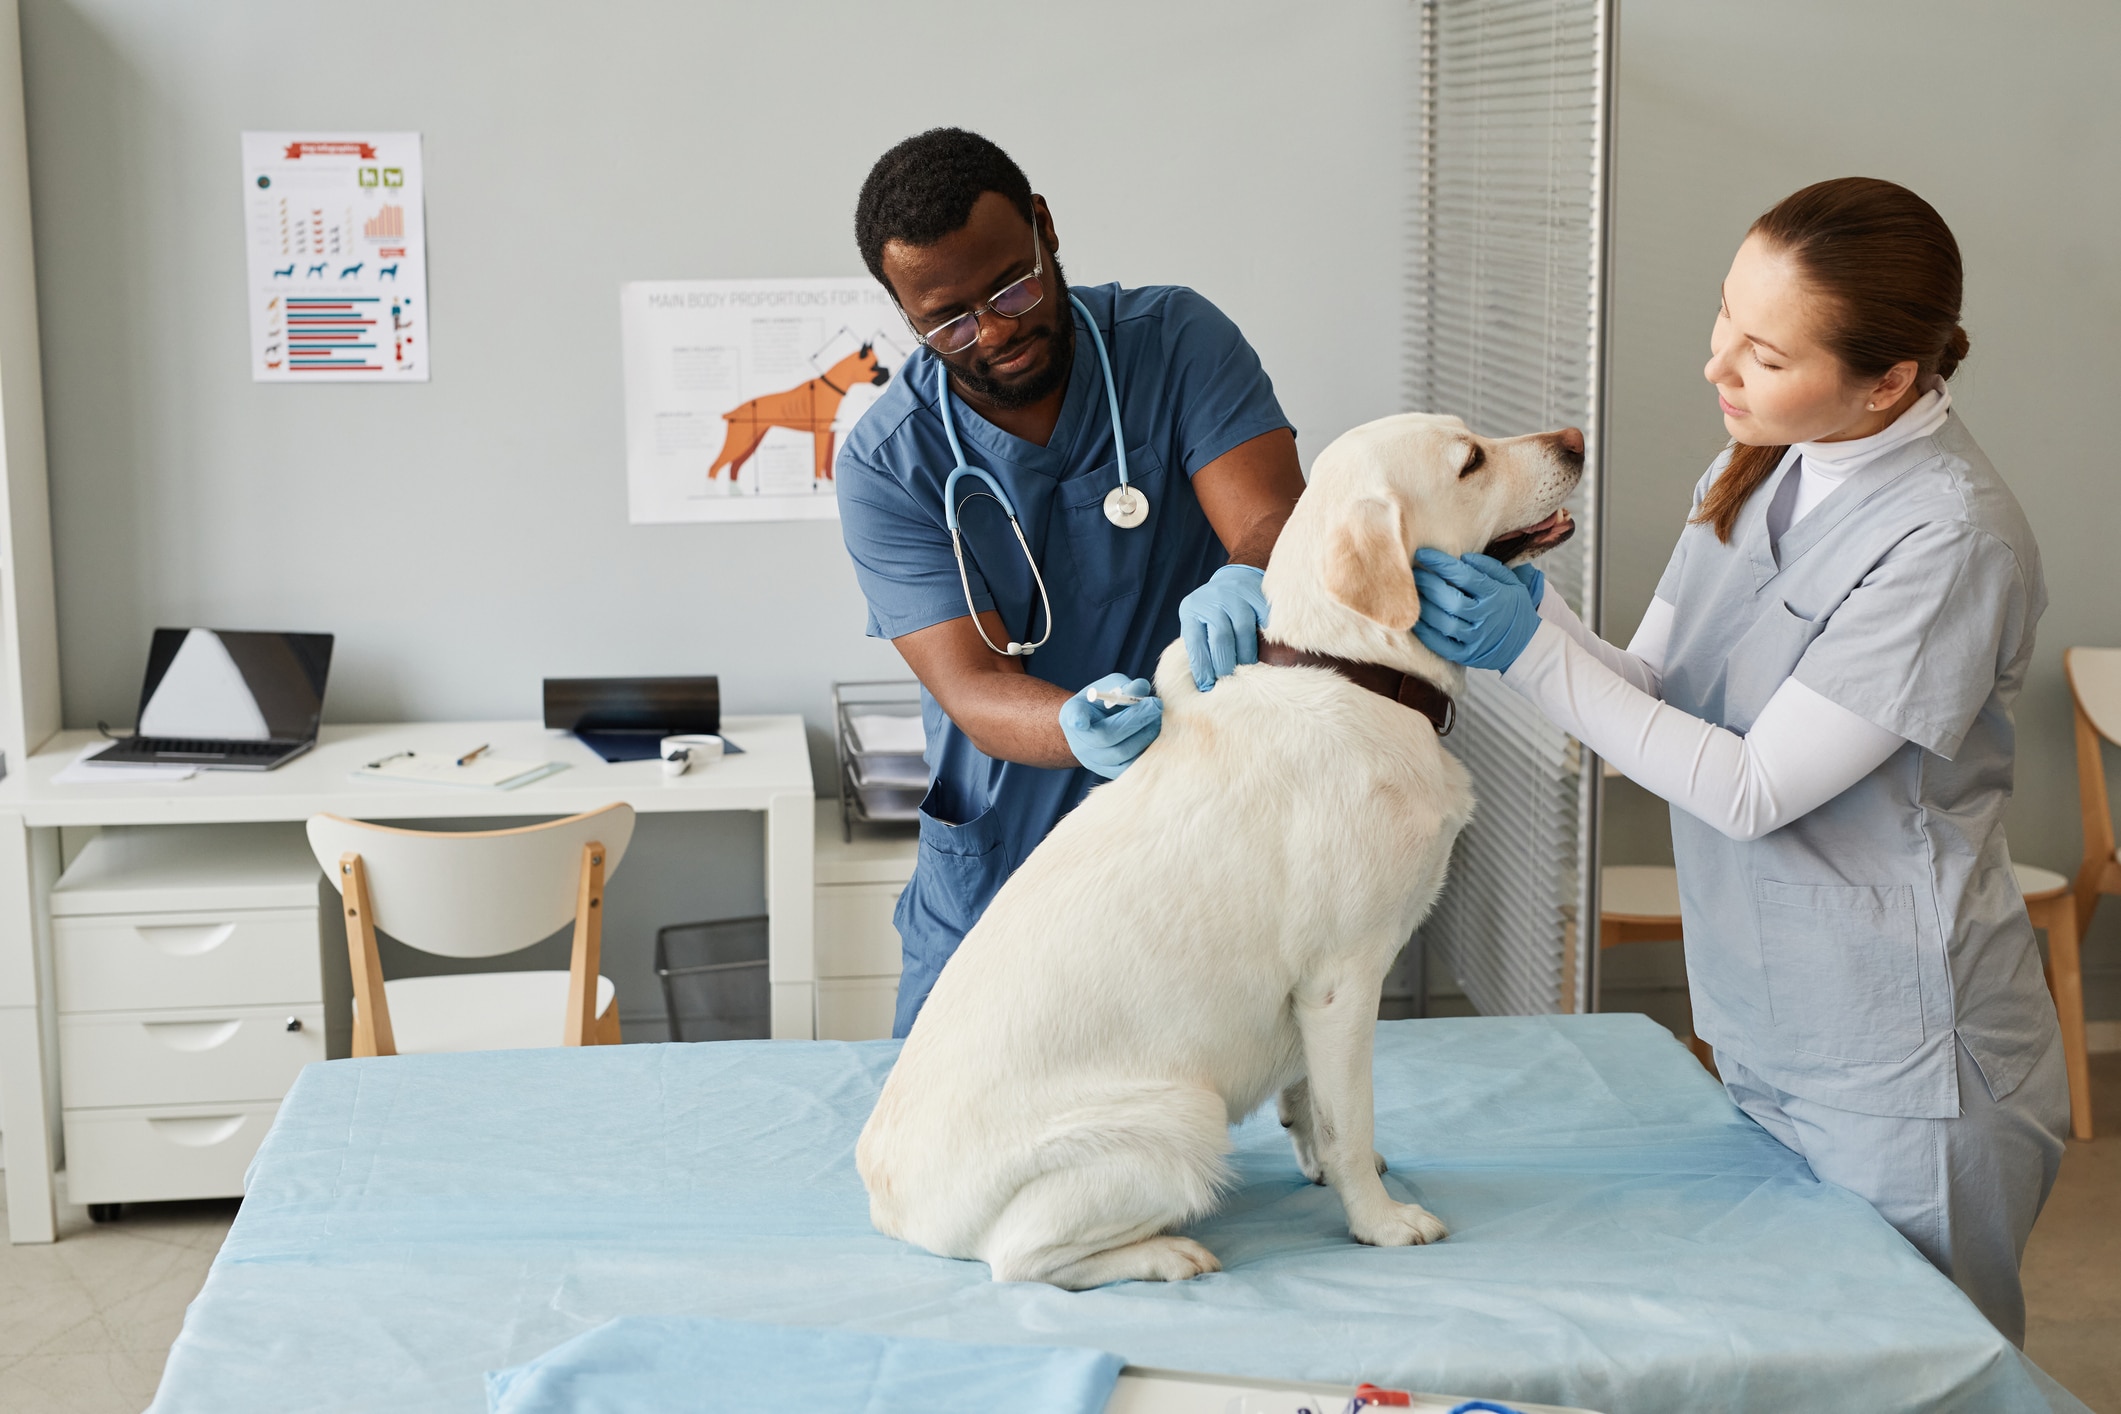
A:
<point x="1421" y="278"/>
<point x="1597" y="443"/>
<point x="1440" y="169"/>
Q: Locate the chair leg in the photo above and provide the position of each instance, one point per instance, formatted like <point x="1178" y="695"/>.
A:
<point x="2065" y="980"/>
<point x="608" y="1025"/>
<point x="587" y="960"/>
<point x="372" y="1034"/>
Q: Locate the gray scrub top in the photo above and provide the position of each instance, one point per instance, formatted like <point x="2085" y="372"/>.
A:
<point x="1839" y="956"/>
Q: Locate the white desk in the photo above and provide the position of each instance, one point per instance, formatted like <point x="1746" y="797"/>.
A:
<point x="772" y="777"/>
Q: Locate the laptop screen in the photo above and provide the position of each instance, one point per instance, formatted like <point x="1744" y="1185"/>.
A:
<point x="229" y="685"/>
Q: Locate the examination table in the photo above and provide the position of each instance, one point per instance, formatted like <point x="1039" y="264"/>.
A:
<point x="1622" y="1238"/>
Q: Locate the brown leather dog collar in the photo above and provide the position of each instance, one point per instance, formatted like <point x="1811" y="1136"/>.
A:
<point x="1406" y="689"/>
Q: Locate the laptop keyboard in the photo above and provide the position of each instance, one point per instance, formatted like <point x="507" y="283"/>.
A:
<point x="184" y="746"/>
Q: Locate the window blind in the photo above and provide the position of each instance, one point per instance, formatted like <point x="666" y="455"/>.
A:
<point x="1507" y="330"/>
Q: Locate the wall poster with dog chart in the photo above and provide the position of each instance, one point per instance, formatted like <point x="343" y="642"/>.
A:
<point x="739" y="392"/>
<point x="338" y="257"/>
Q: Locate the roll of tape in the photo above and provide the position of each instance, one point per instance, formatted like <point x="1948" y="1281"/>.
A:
<point x="681" y="753"/>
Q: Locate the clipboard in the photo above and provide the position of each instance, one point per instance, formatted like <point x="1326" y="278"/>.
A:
<point x="439" y="768"/>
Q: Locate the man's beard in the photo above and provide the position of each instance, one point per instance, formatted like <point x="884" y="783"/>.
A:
<point x="974" y="377"/>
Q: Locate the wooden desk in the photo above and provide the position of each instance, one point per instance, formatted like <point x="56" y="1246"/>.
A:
<point x="771" y="778"/>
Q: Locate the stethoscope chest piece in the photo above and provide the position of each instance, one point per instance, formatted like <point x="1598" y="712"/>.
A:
<point x="1126" y="507"/>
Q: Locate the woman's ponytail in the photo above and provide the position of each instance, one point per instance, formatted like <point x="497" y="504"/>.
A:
<point x="1735" y="484"/>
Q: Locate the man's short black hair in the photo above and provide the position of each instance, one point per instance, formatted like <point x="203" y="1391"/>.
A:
<point x="924" y="188"/>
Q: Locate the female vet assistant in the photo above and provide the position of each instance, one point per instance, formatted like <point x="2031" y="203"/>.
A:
<point x="1823" y="688"/>
<point x="1040" y="388"/>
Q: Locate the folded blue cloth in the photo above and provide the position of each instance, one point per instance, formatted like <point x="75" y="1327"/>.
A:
<point x="691" y="1365"/>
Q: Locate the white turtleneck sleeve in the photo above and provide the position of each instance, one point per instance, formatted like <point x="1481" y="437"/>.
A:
<point x="1642" y="664"/>
<point x="1802" y="752"/>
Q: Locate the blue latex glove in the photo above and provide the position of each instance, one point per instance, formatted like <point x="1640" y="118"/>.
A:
<point x="1107" y="739"/>
<point x="1220" y="622"/>
<point x="1476" y="610"/>
<point x="1535" y="583"/>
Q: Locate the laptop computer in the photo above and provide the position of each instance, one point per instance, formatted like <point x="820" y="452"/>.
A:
<point x="227" y="700"/>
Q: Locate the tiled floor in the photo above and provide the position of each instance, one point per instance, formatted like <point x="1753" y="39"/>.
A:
<point x="2073" y="1263"/>
<point x="85" y="1323"/>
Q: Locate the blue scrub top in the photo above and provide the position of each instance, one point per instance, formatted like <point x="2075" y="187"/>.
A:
<point x="1190" y="389"/>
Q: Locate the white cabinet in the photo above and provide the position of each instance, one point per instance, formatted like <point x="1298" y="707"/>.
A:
<point x="190" y="993"/>
<point x="858" y="885"/>
<point x="214" y="957"/>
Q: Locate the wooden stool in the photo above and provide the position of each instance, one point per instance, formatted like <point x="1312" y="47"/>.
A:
<point x="1639" y="903"/>
<point x="2050" y="899"/>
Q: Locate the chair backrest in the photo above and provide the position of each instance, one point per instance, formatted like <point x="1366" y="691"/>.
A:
<point x="472" y="894"/>
<point x="2095" y="680"/>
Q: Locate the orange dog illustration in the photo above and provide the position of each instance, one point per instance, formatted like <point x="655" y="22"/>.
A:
<point x="807" y="407"/>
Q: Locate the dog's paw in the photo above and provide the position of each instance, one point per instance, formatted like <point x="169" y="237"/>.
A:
<point x="1174" y="1259"/>
<point x="1380" y="1158"/>
<point x="1399" y="1225"/>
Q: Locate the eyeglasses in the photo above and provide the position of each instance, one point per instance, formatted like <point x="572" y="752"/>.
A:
<point x="1012" y="301"/>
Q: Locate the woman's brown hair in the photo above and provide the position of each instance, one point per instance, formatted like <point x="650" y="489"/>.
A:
<point x="1886" y="271"/>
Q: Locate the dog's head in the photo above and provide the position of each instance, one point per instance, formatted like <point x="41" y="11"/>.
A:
<point x="1388" y="488"/>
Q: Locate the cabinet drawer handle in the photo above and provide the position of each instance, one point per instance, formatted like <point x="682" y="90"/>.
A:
<point x="192" y="1035"/>
<point x="186" y="939"/>
<point x="198" y="1131"/>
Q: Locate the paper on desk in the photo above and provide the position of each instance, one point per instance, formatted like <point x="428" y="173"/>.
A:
<point x="440" y="768"/>
<point x="81" y="771"/>
<point x="887" y="733"/>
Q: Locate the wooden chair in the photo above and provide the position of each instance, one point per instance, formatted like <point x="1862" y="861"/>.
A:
<point x="476" y="894"/>
<point x="2095" y="687"/>
<point x="1639" y="903"/>
<point x="2050" y="903"/>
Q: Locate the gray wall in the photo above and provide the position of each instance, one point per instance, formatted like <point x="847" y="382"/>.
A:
<point x="2003" y="117"/>
<point x="467" y="537"/>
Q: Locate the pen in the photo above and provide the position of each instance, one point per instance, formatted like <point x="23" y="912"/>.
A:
<point x="475" y="753"/>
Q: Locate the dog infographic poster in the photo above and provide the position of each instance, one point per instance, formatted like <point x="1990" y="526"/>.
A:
<point x="338" y="259"/>
<point x="738" y="392"/>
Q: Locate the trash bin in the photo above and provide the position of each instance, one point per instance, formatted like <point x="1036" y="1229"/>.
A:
<point x="714" y="979"/>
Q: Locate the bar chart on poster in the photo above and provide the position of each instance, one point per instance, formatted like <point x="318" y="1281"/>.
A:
<point x="337" y="254"/>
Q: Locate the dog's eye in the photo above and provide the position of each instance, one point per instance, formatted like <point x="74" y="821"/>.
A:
<point x="1474" y="462"/>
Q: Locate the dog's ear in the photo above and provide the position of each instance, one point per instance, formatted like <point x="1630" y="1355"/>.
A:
<point x="1370" y="565"/>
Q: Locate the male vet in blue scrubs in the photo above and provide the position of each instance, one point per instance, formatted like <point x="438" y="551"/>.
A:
<point x="949" y="225"/>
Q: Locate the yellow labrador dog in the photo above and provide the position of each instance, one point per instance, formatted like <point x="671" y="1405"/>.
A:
<point x="1214" y="927"/>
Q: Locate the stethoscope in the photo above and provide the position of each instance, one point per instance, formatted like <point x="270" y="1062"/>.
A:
<point x="1125" y="507"/>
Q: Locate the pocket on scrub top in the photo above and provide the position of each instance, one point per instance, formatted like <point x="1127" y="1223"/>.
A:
<point x="1841" y="962"/>
<point x="959" y="867"/>
<point x="1112" y="562"/>
<point x="1761" y="660"/>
